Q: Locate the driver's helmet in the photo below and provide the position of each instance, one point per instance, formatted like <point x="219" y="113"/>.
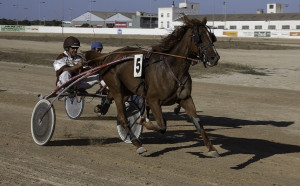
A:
<point x="71" y="42"/>
<point x="96" y="45"/>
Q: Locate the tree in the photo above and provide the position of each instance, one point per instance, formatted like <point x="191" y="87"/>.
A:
<point x="85" y="25"/>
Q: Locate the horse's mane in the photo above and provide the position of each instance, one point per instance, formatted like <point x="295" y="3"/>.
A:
<point x="90" y="55"/>
<point x="172" y="39"/>
<point x="127" y="48"/>
<point x="95" y="58"/>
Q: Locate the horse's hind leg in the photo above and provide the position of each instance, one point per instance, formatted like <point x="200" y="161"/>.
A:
<point x="123" y="120"/>
<point x="157" y="113"/>
<point x="190" y="109"/>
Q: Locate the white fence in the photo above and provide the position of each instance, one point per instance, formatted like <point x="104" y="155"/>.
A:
<point x="293" y="34"/>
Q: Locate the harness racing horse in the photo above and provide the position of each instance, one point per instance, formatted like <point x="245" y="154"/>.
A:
<point x="166" y="79"/>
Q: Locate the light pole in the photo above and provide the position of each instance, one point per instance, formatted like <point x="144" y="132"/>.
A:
<point x="1" y="4"/>
<point x="40" y="11"/>
<point x="150" y="13"/>
<point x="17" y="7"/>
<point x="214" y="12"/>
<point x="70" y="9"/>
<point x="91" y="1"/>
<point x="63" y="12"/>
<point x="224" y="7"/>
<point x="25" y="13"/>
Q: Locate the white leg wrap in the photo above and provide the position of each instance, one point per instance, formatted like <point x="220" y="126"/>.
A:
<point x="196" y="123"/>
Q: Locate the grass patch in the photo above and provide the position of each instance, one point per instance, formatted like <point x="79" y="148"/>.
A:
<point x="146" y="41"/>
<point x="223" y="68"/>
<point x="253" y="72"/>
<point x="28" y="58"/>
<point x="197" y="71"/>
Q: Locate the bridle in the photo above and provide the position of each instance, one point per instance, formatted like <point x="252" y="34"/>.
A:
<point x="196" y="37"/>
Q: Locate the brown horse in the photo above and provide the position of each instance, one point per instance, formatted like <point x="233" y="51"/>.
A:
<point x="166" y="79"/>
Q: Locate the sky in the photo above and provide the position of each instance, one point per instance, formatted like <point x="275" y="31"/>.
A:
<point x="67" y="9"/>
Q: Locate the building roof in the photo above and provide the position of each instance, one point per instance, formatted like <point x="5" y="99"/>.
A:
<point x="106" y="15"/>
<point x="247" y="17"/>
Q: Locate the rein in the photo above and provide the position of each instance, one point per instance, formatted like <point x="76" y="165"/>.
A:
<point x="160" y="53"/>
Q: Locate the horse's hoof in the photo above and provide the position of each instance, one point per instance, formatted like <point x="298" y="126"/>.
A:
<point x="213" y="154"/>
<point x="162" y="130"/>
<point x="141" y="150"/>
<point x="142" y="121"/>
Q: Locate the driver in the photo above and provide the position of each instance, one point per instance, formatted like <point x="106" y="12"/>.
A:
<point x="69" y="64"/>
<point x="97" y="47"/>
<point x="105" y="102"/>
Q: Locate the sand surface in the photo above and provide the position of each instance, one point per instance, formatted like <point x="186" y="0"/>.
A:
<point x="253" y="121"/>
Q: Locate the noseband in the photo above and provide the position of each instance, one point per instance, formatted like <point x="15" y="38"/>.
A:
<point x="202" y="49"/>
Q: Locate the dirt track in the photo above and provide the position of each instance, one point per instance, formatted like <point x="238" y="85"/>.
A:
<point x="254" y="124"/>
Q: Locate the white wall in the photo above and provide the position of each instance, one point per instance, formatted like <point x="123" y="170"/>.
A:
<point x="252" y="24"/>
<point x="293" y="34"/>
<point x="71" y="30"/>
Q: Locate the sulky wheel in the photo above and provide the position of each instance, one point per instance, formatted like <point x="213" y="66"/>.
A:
<point x="74" y="106"/>
<point x="139" y="102"/>
<point x="42" y="122"/>
<point x="132" y="113"/>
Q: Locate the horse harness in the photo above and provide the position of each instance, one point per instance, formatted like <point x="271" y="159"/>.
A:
<point x="190" y="57"/>
<point x="180" y="81"/>
<point x="197" y="39"/>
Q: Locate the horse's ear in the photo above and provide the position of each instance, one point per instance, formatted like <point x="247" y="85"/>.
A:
<point x="204" y="20"/>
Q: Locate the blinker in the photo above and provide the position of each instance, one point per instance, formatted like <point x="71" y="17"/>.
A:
<point x="213" y="37"/>
<point x="197" y="38"/>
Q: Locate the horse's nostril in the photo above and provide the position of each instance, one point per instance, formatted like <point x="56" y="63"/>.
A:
<point x="213" y="59"/>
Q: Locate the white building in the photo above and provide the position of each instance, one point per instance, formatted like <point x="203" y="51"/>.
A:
<point x="166" y="16"/>
<point x="116" y="20"/>
<point x="283" y="21"/>
<point x="275" y="8"/>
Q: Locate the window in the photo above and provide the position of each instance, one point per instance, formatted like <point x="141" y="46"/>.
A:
<point x="168" y="14"/>
<point x="285" y="27"/>
<point x="192" y="7"/>
<point x="297" y="27"/>
<point x="271" y="6"/>
<point x="233" y="27"/>
<point x="245" y="27"/>
<point x="220" y="27"/>
<point x="271" y="27"/>
<point x="168" y="24"/>
<point x="258" y="27"/>
<point x="162" y="15"/>
<point x="161" y="24"/>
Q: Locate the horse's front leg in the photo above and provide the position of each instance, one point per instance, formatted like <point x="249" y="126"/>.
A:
<point x="189" y="106"/>
<point x="123" y="120"/>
